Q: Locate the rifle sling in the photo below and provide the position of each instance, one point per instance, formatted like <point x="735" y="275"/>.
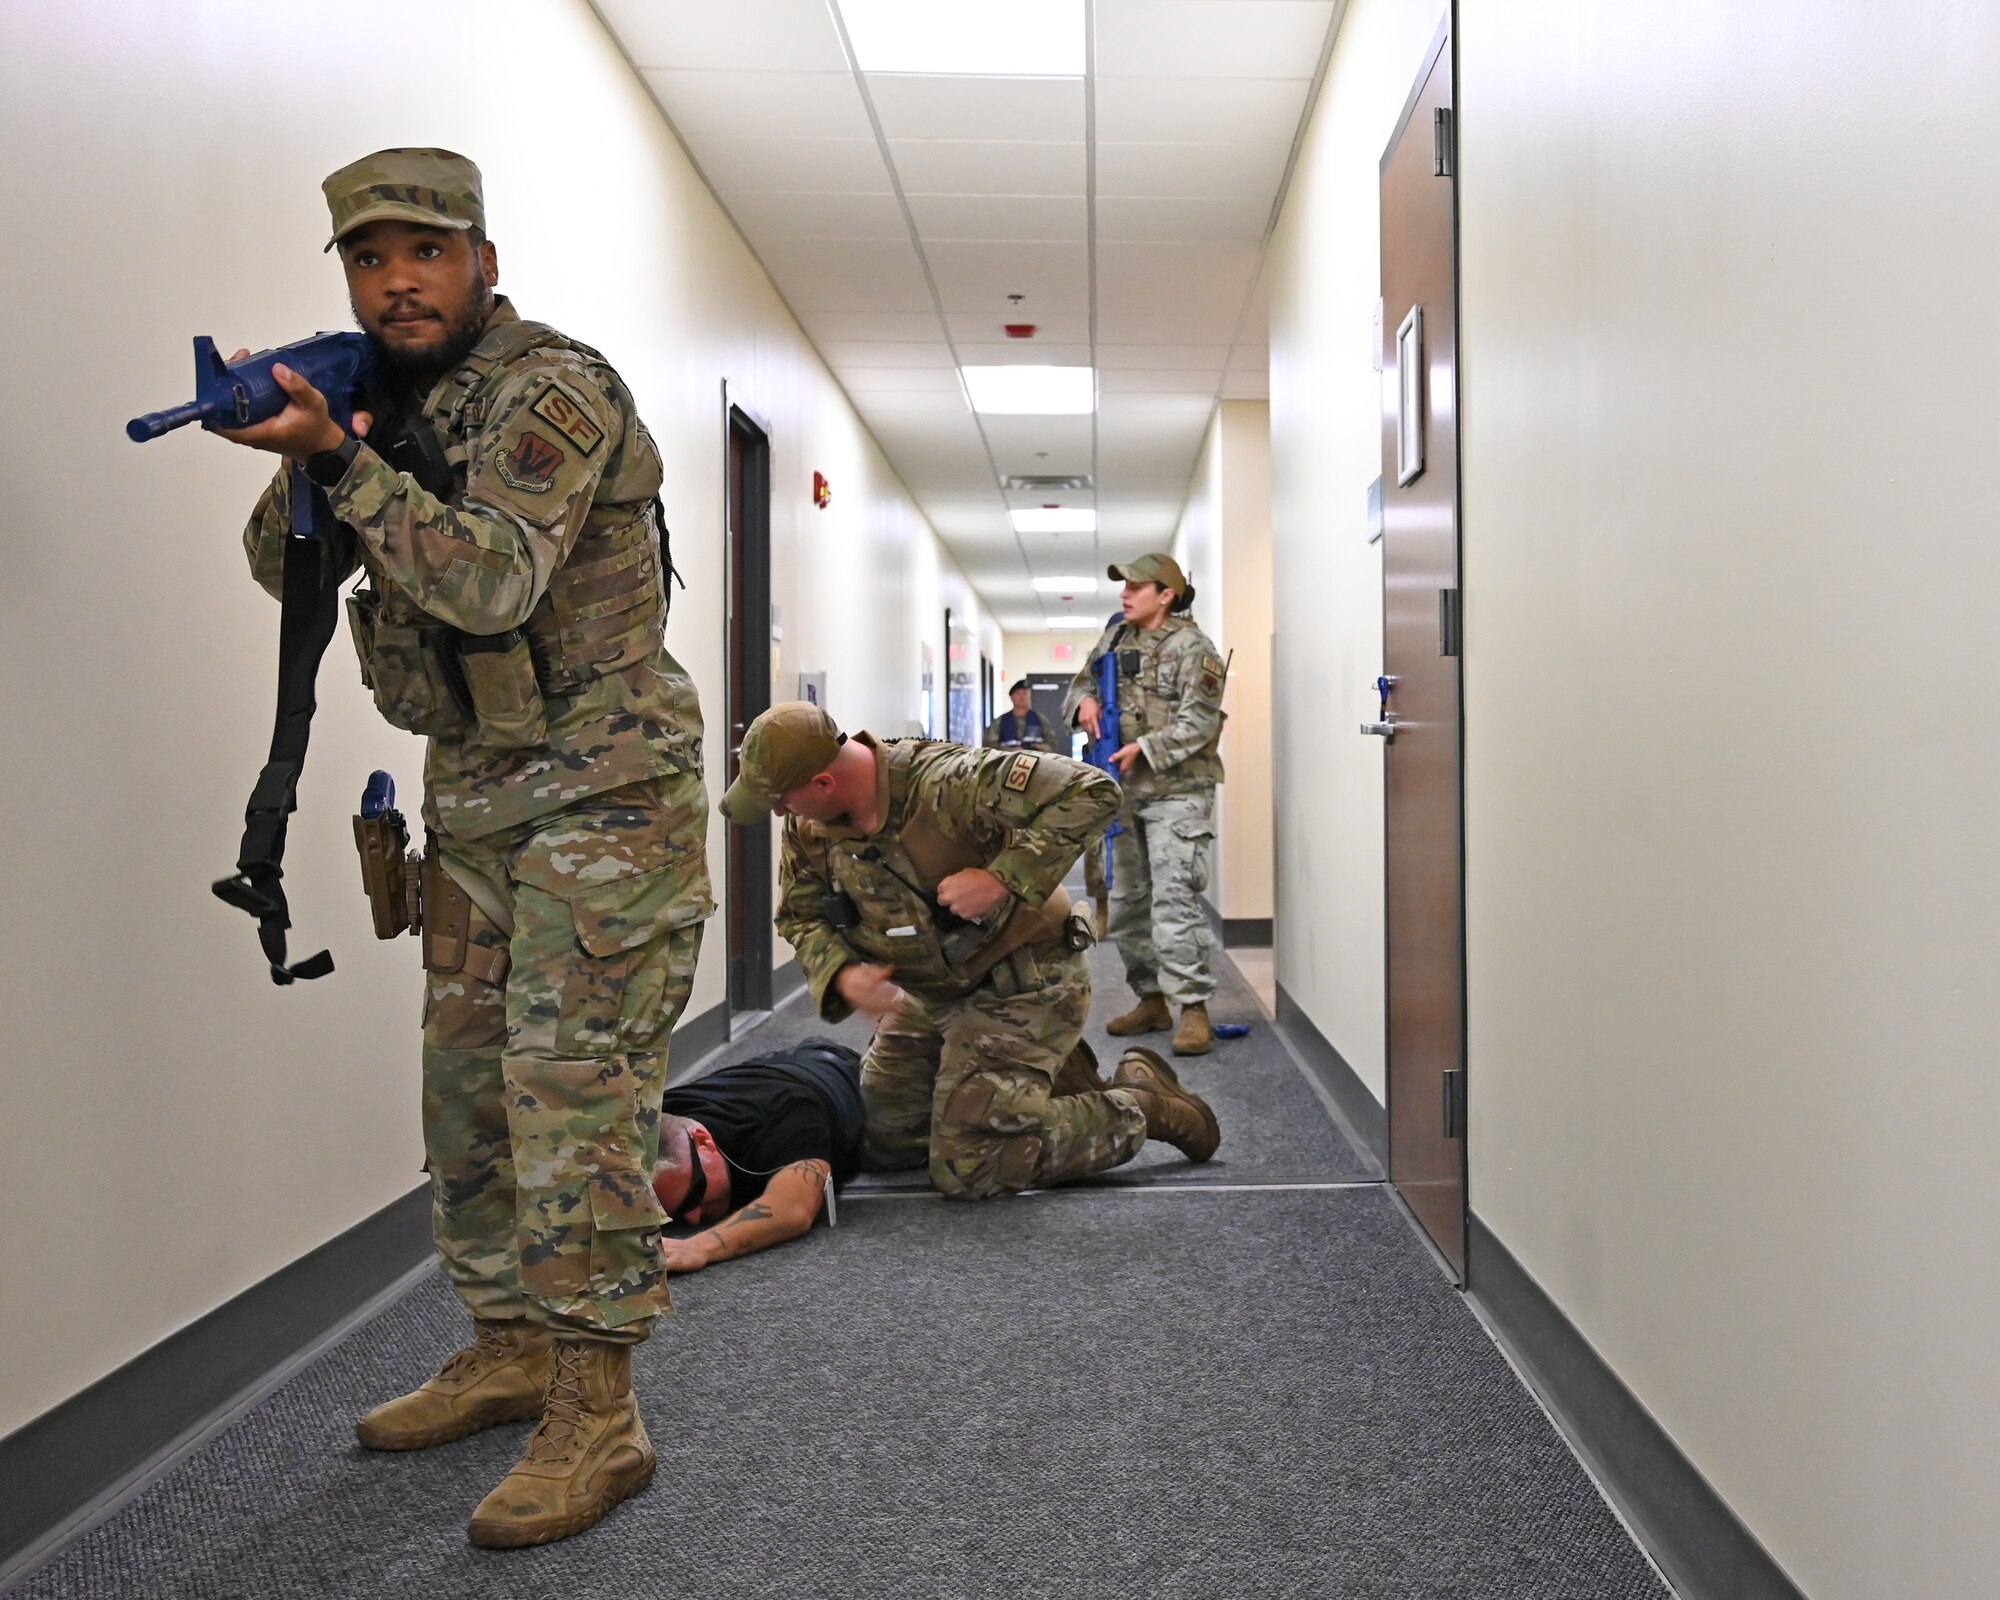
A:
<point x="308" y="611"/>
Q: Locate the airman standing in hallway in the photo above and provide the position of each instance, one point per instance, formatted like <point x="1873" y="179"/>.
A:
<point x="502" y="500"/>
<point x="920" y="884"/>
<point x="1019" y="729"/>
<point x="1170" y="683"/>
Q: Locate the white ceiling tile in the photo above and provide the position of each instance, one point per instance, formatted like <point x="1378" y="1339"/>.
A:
<point x="1211" y="38"/>
<point x="1195" y="381"/>
<point x="799" y="105"/>
<point x="1190" y="171"/>
<point x="1039" y="444"/>
<point x="1152" y="357"/>
<point x="1247" y="386"/>
<point x="1123" y="416"/>
<point x="969" y="166"/>
<point x="1127" y="218"/>
<point x="843" y="353"/>
<point x="1036" y="352"/>
<point x="1147" y="280"/>
<point x="848" y="274"/>
<point x="1124" y="522"/>
<point x="1196" y="324"/>
<point x="1001" y="216"/>
<point x="736" y="162"/>
<point x="764" y="215"/>
<point x="975" y="277"/>
<point x="943" y="410"/>
<point x="898" y="380"/>
<point x="1200" y="110"/>
<point x="828" y="327"/>
<point x="744" y="35"/>
<point x="918" y="107"/>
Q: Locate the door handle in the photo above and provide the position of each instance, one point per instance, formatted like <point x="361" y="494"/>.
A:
<point x="1385" y="731"/>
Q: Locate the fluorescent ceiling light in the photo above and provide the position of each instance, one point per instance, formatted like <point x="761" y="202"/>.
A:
<point x="1077" y="624"/>
<point x="982" y="38"/>
<point x="1055" y="519"/>
<point x="1065" y="585"/>
<point x="1031" y="391"/>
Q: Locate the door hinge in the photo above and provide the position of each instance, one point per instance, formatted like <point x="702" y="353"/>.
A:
<point x="1441" y="143"/>
<point x="1454" y="1104"/>
<point x="1448" y="622"/>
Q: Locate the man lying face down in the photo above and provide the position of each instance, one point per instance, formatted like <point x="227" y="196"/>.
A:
<point x="747" y="1153"/>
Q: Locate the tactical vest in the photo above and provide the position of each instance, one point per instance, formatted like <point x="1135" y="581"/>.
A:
<point x="1150" y="686"/>
<point x="604" y="608"/>
<point x="889" y="882"/>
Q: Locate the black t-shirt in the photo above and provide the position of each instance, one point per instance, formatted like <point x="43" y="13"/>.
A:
<point x="802" y="1104"/>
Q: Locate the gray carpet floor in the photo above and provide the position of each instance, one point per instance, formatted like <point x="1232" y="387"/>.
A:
<point x="1274" y="1129"/>
<point x="1079" y="1395"/>
<point x="1143" y="1393"/>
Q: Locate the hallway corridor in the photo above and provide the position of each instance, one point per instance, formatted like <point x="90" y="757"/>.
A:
<point x="1242" y="1380"/>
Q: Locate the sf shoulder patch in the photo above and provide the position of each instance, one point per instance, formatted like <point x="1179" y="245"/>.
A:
<point x="565" y="413"/>
<point x="531" y="465"/>
<point x="1020" y="772"/>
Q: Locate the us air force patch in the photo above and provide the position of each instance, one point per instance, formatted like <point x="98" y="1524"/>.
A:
<point x="565" y="413"/>
<point x="530" y="466"/>
<point x="1211" y="678"/>
<point x="1020" y="772"/>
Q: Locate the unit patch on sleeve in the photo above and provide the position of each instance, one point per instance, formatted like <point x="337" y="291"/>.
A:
<point x="531" y="465"/>
<point x="565" y="413"/>
<point x="1020" y="772"/>
<point x="1211" y="678"/>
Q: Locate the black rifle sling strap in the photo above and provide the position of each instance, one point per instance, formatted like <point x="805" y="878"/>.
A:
<point x="310" y="609"/>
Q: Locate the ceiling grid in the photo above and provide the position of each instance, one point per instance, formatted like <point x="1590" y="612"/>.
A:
<point x="1129" y="198"/>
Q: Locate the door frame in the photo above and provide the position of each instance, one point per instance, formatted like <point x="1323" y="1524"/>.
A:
<point x="1444" y="41"/>
<point x="748" y="854"/>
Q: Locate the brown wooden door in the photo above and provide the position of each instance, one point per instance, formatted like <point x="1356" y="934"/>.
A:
<point x="1425" y="889"/>
<point x="748" y="907"/>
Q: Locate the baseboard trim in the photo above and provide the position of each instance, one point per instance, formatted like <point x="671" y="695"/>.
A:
<point x="1238" y="932"/>
<point x="695" y="1039"/>
<point x="1701" y="1545"/>
<point x="1362" y="1117"/>
<point x="73" y="1465"/>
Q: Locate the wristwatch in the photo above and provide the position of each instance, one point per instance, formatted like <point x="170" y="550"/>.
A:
<point x="327" y="467"/>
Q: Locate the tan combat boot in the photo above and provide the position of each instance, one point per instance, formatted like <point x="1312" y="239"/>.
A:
<point x="1150" y="1015"/>
<point x="589" y="1452"/>
<point x="1194" y="1037"/>
<point x="1078" y="1072"/>
<point x="498" y="1378"/>
<point x="1184" y="1120"/>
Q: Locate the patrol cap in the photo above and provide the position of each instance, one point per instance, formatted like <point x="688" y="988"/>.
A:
<point x="1158" y="568"/>
<point x="784" y="747"/>
<point x="1017" y="687"/>
<point x="439" y="188"/>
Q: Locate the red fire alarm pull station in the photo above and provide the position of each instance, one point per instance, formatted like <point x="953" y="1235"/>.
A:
<point x="822" y="491"/>
<point x="1020" y="330"/>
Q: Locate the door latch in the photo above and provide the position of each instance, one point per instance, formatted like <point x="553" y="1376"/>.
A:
<point x="1384" y="730"/>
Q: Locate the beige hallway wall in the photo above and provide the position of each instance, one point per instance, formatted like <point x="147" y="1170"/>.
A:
<point x="1223" y="543"/>
<point x="1730" y="742"/>
<point x="176" y="1128"/>
<point x="1729" y="571"/>
<point x="1324" y="275"/>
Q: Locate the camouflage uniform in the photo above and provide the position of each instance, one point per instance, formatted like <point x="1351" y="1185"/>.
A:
<point x="1170" y="683"/>
<point x="516" y="618"/>
<point x="960" y="1073"/>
